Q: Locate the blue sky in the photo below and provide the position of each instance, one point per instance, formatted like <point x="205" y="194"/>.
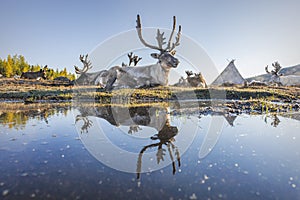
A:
<point x="255" y="33"/>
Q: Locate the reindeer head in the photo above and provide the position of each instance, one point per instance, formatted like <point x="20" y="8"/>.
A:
<point x="166" y="56"/>
<point x="43" y="72"/>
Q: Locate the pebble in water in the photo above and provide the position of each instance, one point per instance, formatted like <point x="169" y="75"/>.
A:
<point x="245" y="172"/>
<point x="205" y="177"/>
<point x="24" y="174"/>
<point x="193" y="196"/>
<point x="5" y="192"/>
<point x="44" y="143"/>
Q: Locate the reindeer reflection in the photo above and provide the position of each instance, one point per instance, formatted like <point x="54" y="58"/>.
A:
<point x="134" y="117"/>
<point x="165" y="137"/>
<point x="275" y="120"/>
<point x="87" y="123"/>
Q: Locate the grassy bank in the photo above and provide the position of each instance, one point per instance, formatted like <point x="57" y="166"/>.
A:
<point x="34" y="91"/>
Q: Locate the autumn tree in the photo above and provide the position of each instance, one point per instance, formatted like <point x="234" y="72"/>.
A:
<point x="16" y="65"/>
<point x="2" y="66"/>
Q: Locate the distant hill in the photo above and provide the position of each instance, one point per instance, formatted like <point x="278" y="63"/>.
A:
<point x="291" y="76"/>
<point x="295" y="70"/>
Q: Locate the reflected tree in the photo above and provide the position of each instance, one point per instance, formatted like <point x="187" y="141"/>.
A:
<point x="16" y="116"/>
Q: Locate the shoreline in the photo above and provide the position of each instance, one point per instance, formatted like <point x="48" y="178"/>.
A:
<point x="30" y="91"/>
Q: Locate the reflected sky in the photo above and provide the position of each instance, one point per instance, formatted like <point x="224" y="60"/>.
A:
<point x="251" y="159"/>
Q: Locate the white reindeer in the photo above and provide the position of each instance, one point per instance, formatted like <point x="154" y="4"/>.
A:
<point x="137" y="77"/>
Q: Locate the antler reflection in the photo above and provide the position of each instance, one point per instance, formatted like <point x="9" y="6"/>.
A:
<point x="165" y="137"/>
<point x="87" y="123"/>
<point x="275" y="120"/>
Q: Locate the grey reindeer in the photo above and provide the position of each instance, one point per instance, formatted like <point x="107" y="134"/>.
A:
<point x="35" y="75"/>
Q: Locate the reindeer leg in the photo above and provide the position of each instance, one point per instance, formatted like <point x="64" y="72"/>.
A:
<point x="110" y="82"/>
<point x="112" y="77"/>
<point x="177" y="154"/>
<point x="172" y="158"/>
<point x="139" y="166"/>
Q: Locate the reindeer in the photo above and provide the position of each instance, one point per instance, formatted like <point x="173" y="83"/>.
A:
<point x="197" y="80"/>
<point x="275" y="120"/>
<point x="137" y="77"/>
<point x="95" y="78"/>
<point x="275" y="79"/>
<point x="155" y="117"/>
<point x="134" y="117"/>
<point x="192" y="80"/>
<point x="35" y="75"/>
<point x="151" y="75"/>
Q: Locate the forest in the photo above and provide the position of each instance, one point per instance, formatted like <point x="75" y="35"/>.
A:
<point x="16" y="65"/>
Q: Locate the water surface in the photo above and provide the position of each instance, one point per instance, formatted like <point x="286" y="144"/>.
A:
<point x="109" y="152"/>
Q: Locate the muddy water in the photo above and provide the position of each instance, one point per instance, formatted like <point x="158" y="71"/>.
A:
<point x="150" y="152"/>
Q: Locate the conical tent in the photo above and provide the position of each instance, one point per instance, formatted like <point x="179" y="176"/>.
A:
<point x="230" y="119"/>
<point x="230" y="75"/>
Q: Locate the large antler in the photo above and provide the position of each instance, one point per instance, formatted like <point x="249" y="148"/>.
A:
<point x="169" y="48"/>
<point x="267" y="70"/>
<point x="189" y="73"/>
<point x="139" y="161"/>
<point x="87" y="123"/>
<point x="133" y="59"/>
<point x="276" y="70"/>
<point x="277" y="67"/>
<point x="139" y="30"/>
<point x="86" y="64"/>
<point x="160" y="37"/>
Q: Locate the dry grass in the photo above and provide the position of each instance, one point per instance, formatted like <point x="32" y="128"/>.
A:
<point x="32" y="90"/>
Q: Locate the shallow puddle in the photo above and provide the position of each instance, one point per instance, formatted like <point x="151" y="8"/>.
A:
<point x="149" y="152"/>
